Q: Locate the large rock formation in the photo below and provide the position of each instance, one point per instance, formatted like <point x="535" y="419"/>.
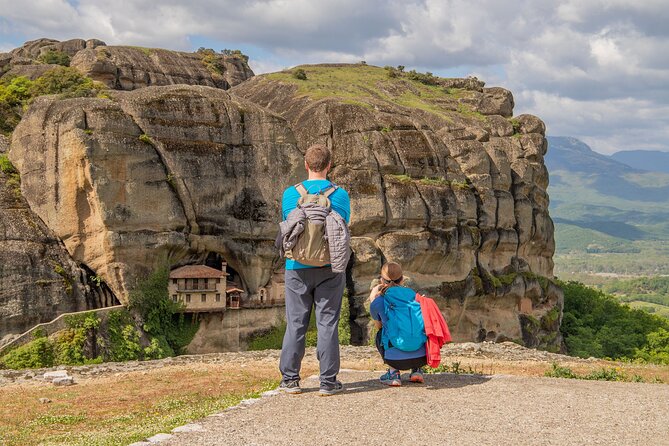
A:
<point x="179" y="171"/>
<point x="38" y="279"/>
<point x="127" y="67"/>
<point x="442" y="181"/>
<point x="119" y="68"/>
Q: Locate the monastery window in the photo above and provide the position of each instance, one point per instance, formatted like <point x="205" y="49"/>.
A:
<point x="189" y="284"/>
<point x="187" y="298"/>
<point x="218" y="280"/>
<point x="218" y="297"/>
<point x="174" y="281"/>
<point x="174" y="297"/>
<point x="204" y="298"/>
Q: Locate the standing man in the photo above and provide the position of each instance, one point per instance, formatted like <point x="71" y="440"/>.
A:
<point x="314" y="286"/>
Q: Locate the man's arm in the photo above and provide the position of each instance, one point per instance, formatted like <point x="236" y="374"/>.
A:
<point x="341" y="203"/>
<point x="289" y="201"/>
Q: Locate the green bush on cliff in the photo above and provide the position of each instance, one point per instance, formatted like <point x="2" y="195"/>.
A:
<point x="35" y="354"/>
<point x="19" y="91"/>
<point x="65" y="81"/>
<point x="595" y="324"/>
<point x="55" y="57"/>
<point x="162" y="318"/>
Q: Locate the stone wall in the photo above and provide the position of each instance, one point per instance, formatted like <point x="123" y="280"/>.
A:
<point x="230" y="330"/>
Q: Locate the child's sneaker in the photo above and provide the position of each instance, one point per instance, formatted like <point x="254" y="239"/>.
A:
<point x="391" y="378"/>
<point x="417" y="376"/>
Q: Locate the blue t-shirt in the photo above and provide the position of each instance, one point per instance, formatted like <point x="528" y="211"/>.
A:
<point x="339" y="201"/>
<point x="378" y="312"/>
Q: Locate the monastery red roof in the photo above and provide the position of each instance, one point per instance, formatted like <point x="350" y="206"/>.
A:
<point x="196" y="272"/>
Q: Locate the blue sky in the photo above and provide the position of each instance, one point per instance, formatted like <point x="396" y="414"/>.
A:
<point x="597" y="70"/>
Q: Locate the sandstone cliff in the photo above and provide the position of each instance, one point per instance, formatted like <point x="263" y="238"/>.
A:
<point x="129" y="68"/>
<point x="443" y="181"/>
<point x="177" y="171"/>
<point x="119" y="68"/>
<point x="38" y="279"/>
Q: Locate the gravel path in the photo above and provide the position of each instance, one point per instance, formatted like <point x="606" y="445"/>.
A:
<point x="448" y="410"/>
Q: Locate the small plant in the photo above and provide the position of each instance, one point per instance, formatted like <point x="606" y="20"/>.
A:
<point x="440" y="181"/>
<point x="97" y="280"/>
<point x="55" y="57"/>
<point x="516" y="126"/>
<point x="146" y="139"/>
<point x="67" y="280"/>
<point x="300" y="74"/>
<point x="462" y="185"/>
<point x="386" y="129"/>
<point x="455" y="368"/>
<point x="404" y="179"/>
<point x="88" y="131"/>
<point x="558" y="371"/>
<point x="235" y="53"/>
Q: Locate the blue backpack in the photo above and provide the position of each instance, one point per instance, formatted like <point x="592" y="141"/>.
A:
<point x="405" y="329"/>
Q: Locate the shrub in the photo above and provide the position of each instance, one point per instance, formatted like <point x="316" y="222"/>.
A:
<point x="160" y="315"/>
<point x="558" y="371"/>
<point x="55" y="57"/>
<point x="65" y="81"/>
<point x="300" y="74"/>
<point x="657" y="347"/>
<point x="35" y="354"/>
<point x="122" y="337"/>
<point x="595" y="324"/>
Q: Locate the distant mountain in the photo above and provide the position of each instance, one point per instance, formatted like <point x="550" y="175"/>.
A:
<point x="567" y="153"/>
<point x="652" y="160"/>
<point x="603" y="174"/>
<point x="601" y="204"/>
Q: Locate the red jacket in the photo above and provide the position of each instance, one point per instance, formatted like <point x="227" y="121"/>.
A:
<point x="436" y="329"/>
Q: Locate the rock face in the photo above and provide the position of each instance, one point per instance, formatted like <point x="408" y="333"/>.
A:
<point x="440" y="181"/>
<point x="129" y="68"/>
<point x="177" y="172"/>
<point x="38" y="279"/>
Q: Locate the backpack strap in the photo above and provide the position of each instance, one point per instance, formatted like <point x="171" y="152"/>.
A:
<point x="301" y="189"/>
<point x="330" y="190"/>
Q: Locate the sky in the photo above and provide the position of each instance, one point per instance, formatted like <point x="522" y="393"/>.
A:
<point x="597" y="70"/>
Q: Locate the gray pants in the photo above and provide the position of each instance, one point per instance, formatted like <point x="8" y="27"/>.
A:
<point x="322" y="289"/>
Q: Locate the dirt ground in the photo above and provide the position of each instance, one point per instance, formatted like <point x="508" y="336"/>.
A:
<point x="115" y="404"/>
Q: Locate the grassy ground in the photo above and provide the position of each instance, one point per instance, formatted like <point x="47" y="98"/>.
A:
<point x="120" y="408"/>
<point x="358" y="84"/>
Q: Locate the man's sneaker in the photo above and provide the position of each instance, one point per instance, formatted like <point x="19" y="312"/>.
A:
<point x="331" y="389"/>
<point x="391" y="378"/>
<point x="417" y="376"/>
<point x="292" y="387"/>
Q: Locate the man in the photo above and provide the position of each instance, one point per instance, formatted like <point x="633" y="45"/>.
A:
<point x="308" y="286"/>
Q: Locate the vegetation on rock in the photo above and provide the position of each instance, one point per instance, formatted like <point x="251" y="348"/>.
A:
<point x="18" y="92"/>
<point x="55" y="57"/>
<point x="154" y="327"/>
<point x="362" y="84"/>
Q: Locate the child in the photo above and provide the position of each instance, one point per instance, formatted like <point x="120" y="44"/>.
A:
<point x="401" y="336"/>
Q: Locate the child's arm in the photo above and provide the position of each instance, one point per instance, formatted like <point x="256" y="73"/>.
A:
<point x="374" y="293"/>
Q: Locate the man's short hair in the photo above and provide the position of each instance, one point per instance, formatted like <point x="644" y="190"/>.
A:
<point x="317" y="157"/>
